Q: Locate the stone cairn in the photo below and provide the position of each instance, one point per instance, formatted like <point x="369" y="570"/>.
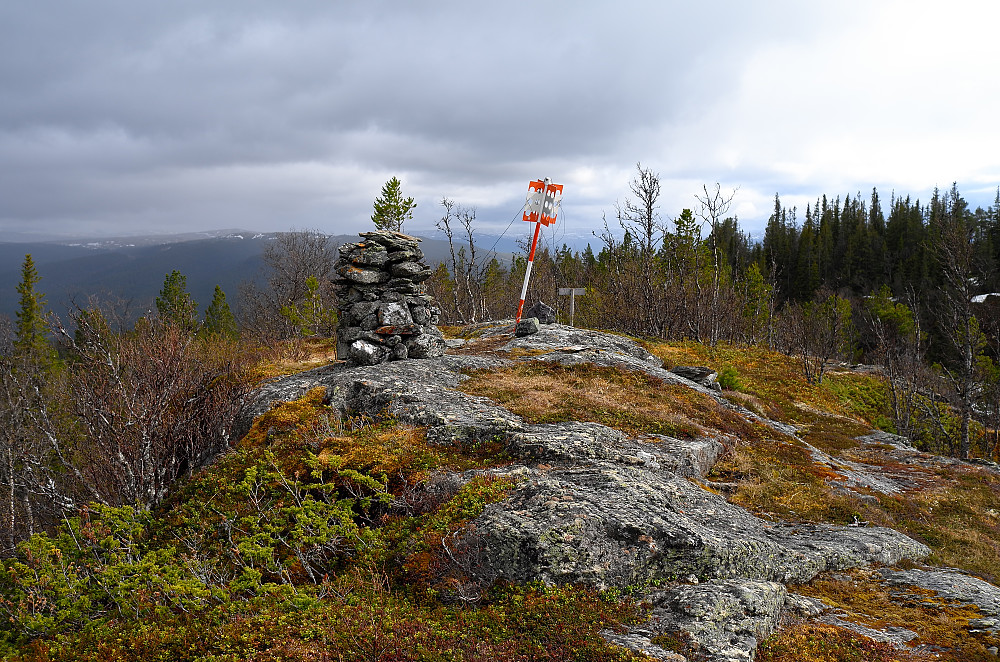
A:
<point x="384" y="312"/>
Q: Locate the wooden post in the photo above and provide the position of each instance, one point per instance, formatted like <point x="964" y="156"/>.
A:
<point x="572" y="292"/>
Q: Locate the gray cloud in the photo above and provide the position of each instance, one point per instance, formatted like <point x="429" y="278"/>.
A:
<point x="130" y="117"/>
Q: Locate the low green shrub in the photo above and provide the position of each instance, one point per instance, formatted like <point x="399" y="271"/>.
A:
<point x="729" y="378"/>
<point x="313" y="539"/>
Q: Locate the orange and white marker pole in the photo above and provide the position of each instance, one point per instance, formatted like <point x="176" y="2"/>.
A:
<point x="540" y="208"/>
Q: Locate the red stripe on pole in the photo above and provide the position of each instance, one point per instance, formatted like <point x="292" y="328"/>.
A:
<point x="534" y="242"/>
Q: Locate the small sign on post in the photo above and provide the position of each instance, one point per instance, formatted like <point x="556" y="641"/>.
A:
<point x="572" y="292"/>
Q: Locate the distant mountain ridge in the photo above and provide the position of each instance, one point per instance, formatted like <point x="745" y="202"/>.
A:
<point x="132" y="269"/>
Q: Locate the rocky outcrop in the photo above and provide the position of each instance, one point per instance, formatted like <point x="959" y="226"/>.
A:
<point x="617" y="526"/>
<point x="723" y="620"/>
<point x="957" y="586"/>
<point x="638" y="641"/>
<point x="586" y="346"/>
<point x="699" y="375"/>
<point x="384" y="312"/>
<point x="597" y="507"/>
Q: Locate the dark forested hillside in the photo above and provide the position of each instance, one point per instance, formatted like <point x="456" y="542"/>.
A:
<point x="134" y="273"/>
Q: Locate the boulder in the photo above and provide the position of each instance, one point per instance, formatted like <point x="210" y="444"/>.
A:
<point x="363" y="352"/>
<point x="526" y="327"/>
<point x="362" y="276"/>
<point x="425" y="346"/>
<point x="394" y="314"/>
<point x="608" y="524"/>
<point x="410" y="254"/>
<point x="699" y="375"/>
<point x="370" y="254"/>
<point x="546" y="314"/>
<point x="724" y="620"/>
<point x="415" y="271"/>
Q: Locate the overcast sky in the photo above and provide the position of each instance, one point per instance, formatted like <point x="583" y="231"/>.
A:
<point x="128" y="116"/>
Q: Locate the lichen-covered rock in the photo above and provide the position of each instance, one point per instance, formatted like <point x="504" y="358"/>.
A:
<point x="802" y="605"/>
<point x="362" y="276"/>
<point x="896" y="636"/>
<point x="370" y="254"/>
<point x="724" y="620"/>
<point x="526" y="327"/>
<point x="394" y="314"/>
<point x="363" y="352"/>
<point x="638" y="641"/>
<point x="699" y="375"/>
<point x="616" y="526"/>
<point x="583" y="343"/>
<point x="688" y="457"/>
<point x="578" y="441"/>
<point x="426" y="346"/>
<point x="414" y="271"/>
<point x="363" y="310"/>
<point x="406" y="252"/>
<point x="889" y="439"/>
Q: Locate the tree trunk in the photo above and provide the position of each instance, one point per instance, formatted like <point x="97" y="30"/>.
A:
<point x="11" y="493"/>
<point x="29" y="516"/>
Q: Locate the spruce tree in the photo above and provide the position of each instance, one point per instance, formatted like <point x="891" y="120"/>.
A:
<point x="219" y="319"/>
<point x="391" y="208"/>
<point x="806" y="279"/>
<point x="29" y="336"/>
<point x="175" y="304"/>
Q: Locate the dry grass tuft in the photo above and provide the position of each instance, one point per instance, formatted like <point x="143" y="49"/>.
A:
<point x="864" y="597"/>
<point x="288" y="357"/>
<point x="778" y="479"/>
<point x="819" y="642"/>
<point x="632" y="402"/>
<point x="774" y="380"/>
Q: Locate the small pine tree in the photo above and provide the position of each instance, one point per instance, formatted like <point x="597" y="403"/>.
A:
<point x="29" y="336"/>
<point x="391" y="208"/>
<point x="219" y="319"/>
<point x="175" y="304"/>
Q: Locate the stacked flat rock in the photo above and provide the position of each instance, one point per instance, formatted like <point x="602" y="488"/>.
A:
<point x="384" y="311"/>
